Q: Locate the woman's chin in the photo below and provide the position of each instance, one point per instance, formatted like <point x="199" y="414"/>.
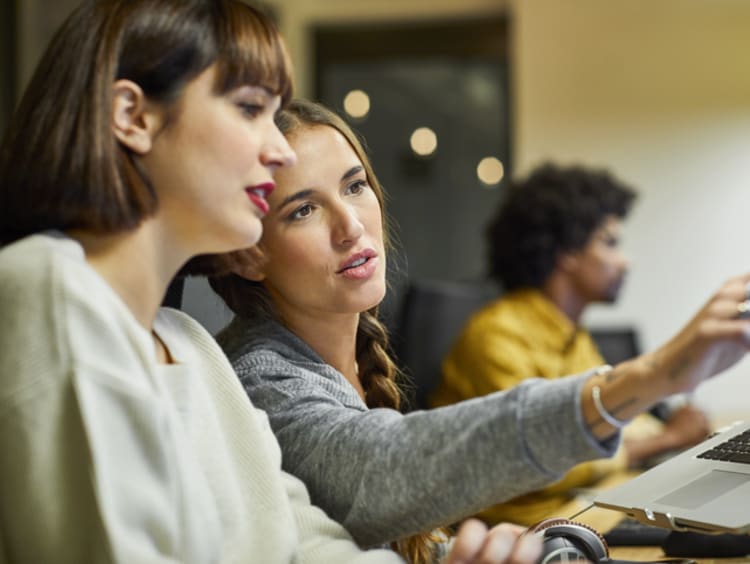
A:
<point x="374" y="300"/>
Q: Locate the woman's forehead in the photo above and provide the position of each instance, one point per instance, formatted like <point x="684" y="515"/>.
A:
<point x="322" y="145"/>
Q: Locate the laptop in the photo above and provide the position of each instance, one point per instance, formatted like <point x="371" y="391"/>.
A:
<point x="704" y="489"/>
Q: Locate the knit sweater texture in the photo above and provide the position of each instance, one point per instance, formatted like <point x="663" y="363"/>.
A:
<point x="386" y="475"/>
<point x="111" y="456"/>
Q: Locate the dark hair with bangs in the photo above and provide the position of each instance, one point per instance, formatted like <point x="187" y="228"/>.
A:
<point x="552" y="211"/>
<point x="61" y="166"/>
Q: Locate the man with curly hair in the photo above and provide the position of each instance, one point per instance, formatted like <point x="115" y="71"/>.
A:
<point x="554" y="249"/>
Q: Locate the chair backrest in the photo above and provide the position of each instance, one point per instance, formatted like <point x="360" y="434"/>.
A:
<point x="173" y="297"/>
<point x="432" y="315"/>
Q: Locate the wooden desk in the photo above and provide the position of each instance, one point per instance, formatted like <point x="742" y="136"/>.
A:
<point x="650" y="553"/>
<point x="604" y="519"/>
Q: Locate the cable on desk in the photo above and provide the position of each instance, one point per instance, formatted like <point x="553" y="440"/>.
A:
<point x="581" y="511"/>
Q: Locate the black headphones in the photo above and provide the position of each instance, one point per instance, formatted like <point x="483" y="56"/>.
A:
<point x="569" y="541"/>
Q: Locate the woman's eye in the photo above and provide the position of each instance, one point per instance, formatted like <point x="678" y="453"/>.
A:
<point x="302" y="212"/>
<point x="250" y="110"/>
<point x="357" y="187"/>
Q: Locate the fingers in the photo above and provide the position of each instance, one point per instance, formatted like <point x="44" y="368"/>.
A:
<point x="737" y="287"/>
<point x="468" y="542"/>
<point x="732" y="293"/>
<point x="727" y="329"/>
<point x="714" y="339"/>
<point x="501" y="545"/>
<point x="506" y="545"/>
<point x="721" y="319"/>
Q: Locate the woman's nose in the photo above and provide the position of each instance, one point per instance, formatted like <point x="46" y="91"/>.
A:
<point x="347" y="226"/>
<point x="277" y="152"/>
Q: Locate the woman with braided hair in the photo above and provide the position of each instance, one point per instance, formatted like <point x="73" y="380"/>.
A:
<point x="308" y="347"/>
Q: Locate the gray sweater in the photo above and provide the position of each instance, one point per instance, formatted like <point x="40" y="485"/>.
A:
<point x="385" y="475"/>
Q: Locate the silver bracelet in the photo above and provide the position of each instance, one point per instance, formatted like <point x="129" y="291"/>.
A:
<point x="596" y="395"/>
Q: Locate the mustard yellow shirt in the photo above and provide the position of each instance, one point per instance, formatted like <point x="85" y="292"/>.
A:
<point x="518" y="336"/>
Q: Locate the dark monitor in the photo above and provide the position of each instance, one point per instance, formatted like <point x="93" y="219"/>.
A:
<point x="616" y="344"/>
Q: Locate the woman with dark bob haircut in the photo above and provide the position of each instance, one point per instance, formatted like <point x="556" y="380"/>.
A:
<point x="145" y="138"/>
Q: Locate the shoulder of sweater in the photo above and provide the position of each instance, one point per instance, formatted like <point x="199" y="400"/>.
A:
<point x="264" y="339"/>
<point x="178" y="320"/>
<point x="26" y="266"/>
<point x="257" y="357"/>
<point x="187" y="333"/>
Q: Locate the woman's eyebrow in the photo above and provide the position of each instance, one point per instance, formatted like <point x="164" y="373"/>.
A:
<point x="351" y="172"/>
<point x="301" y="195"/>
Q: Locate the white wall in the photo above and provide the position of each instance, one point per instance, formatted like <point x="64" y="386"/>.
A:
<point x="660" y="92"/>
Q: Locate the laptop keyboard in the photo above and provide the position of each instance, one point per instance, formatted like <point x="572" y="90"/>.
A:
<point x="736" y="449"/>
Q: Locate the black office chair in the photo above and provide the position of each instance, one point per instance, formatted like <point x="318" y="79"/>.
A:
<point x="173" y="297"/>
<point x="432" y="315"/>
<point x="616" y="344"/>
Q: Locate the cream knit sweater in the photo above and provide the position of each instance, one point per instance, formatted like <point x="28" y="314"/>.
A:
<point x="109" y="456"/>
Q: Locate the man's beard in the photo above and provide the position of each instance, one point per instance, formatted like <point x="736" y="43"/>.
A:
<point x="613" y="291"/>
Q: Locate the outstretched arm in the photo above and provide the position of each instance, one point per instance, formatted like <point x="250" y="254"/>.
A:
<point x="385" y="475"/>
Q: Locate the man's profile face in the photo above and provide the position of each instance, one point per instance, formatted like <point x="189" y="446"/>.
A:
<point x="600" y="265"/>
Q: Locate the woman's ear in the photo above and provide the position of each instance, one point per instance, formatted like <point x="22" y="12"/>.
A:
<point x="134" y="123"/>
<point x="249" y="263"/>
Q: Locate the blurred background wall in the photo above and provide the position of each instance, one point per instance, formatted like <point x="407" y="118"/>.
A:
<point x="660" y="93"/>
<point x="656" y="91"/>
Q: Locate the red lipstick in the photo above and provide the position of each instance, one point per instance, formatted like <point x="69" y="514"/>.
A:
<point x="258" y="195"/>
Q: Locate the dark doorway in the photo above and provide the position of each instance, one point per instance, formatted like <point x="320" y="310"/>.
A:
<point x="453" y="78"/>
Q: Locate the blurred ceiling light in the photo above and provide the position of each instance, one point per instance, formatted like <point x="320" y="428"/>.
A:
<point x="490" y="171"/>
<point x="357" y="103"/>
<point x="423" y="141"/>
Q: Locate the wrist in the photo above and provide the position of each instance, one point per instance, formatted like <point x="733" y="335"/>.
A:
<point x="612" y="397"/>
<point x="591" y="412"/>
<point x="655" y="374"/>
<point x="601" y="410"/>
